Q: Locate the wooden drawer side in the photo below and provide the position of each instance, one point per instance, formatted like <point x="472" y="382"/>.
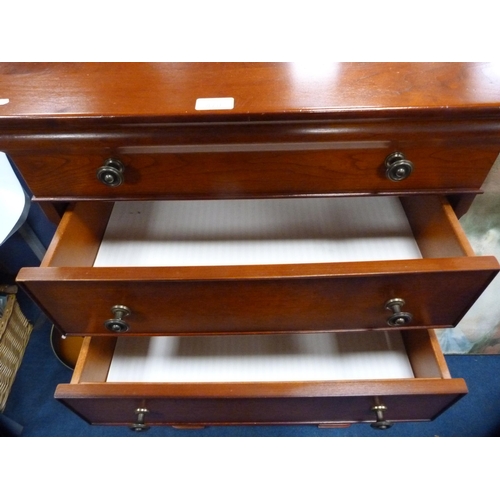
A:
<point x="436" y="227"/>
<point x="78" y="236"/>
<point x="425" y="355"/>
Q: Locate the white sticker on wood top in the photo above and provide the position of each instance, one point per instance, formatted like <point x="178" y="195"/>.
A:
<point x="214" y="103"/>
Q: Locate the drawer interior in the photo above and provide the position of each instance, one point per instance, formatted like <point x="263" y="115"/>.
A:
<point x="248" y="232"/>
<point x="260" y="358"/>
<point x="382" y="355"/>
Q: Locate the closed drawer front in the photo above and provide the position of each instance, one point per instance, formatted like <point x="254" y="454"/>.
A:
<point x="437" y="289"/>
<point x="245" y="171"/>
<point x="422" y="395"/>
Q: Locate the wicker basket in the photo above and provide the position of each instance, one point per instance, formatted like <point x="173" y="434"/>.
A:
<point x="15" y="331"/>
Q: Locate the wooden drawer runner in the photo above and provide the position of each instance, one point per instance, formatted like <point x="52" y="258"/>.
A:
<point x="421" y="397"/>
<point x="437" y="289"/>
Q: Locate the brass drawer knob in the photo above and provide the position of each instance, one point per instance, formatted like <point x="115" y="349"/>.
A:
<point x="398" y="318"/>
<point x="140" y="425"/>
<point x="397" y="167"/>
<point x="118" y="324"/>
<point x="381" y="423"/>
<point x="111" y="173"/>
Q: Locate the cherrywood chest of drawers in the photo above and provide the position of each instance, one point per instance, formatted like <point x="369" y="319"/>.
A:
<point x="101" y="146"/>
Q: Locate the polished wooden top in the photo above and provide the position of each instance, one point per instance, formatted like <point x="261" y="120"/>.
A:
<point x="167" y="92"/>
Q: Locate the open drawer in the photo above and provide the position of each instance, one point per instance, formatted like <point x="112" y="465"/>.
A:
<point x="438" y="281"/>
<point x="435" y="283"/>
<point x="323" y="378"/>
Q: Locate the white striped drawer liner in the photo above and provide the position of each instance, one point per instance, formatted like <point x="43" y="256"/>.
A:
<point x="245" y="232"/>
<point x="260" y="358"/>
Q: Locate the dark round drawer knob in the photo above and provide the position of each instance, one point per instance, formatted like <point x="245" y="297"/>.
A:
<point x="381" y="423"/>
<point x="140" y="425"/>
<point x="397" y="167"/>
<point x="117" y="324"/>
<point x="398" y="318"/>
<point x="111" y="173"/>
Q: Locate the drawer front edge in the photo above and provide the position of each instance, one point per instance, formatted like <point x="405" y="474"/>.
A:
<point x="416" y="400"/>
